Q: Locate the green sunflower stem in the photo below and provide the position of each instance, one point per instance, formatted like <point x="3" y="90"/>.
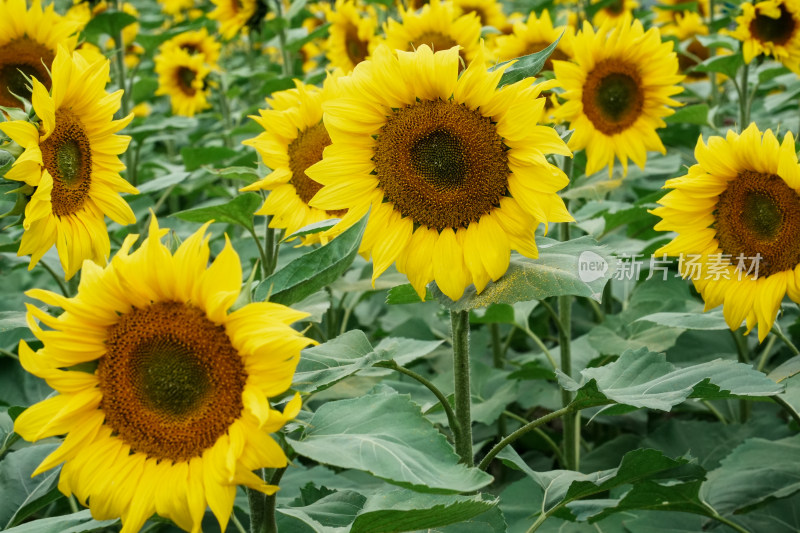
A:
<point x="572" y="436"/>
<point x="744" y="99"/>
<point x="262" y="506"/>
<point x="125" y="102"/>
<point x="460" y="324"/>
<point x="744" y="357"/>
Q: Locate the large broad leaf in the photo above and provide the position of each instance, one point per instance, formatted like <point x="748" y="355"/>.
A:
<point x="108" y="23"/>
<point x="238" y="211"/>
<point x="17" y="486"/>
<point x="387" y="511"/>
<point x="81" y="522"/>
<point x="314" y="270"/>
<point x="386" y="435"/>
<point x="578" y="267"/>
<point x="403" y="510"/>
<point x="526" y="66"/>
<point x="323" y="365"/>
<point x="701" y="321"/>
<point x="645" y="379"/>
<point x="195" y="157"/>
<point x="755" y="472"/>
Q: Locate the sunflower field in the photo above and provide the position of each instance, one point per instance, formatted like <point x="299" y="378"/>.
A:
<point x="453" y="266"/>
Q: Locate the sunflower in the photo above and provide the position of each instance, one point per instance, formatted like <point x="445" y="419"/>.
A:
<point x="197" y="42"/>
<point x="617" y="92"/>
<point x="667" y="11"/>
<point x="71" y="159"/>
<point x="489" y="12"/>
<point x="437" y="25"/>
<point x="534" y="36"/>
<point x="615" y="12"/>
<point x="174" y="413"/>
<point x="686" y="26"/>
<point x="452" y="170"/>
<point x="293" y="139"/>
<point x="182" y="77"/>
<point x="234" y="15"/>
<point x="771" y="27"/>
<point x="738" y="213"/>
<point x="351" y="35"/>
<point x="29" y="40"/>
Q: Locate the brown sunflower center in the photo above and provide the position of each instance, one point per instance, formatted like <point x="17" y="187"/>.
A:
<point x="26" y="55"/>
<point x="441" y="164"/>
<point x="616" y="7"/>
<point x="185" y="78"/>
<point x="435" y="40"/>
<point x="686" y="62"/>
<point x="303" y="152"/>
<point x="777" y="31"/>
<point x="172" y="382"/>
<point x="67" y="156"/>
<point x="612" y="96"/>
<point x="759" y="215"/>
<point x="357" y="49"/>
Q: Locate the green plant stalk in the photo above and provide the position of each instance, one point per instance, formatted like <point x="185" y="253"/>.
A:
<point x="271" y="248"/>
<point x="264" y="266"/>
<point x="743" y="354"/>
<point x="776" y="329"/>
<point x="571" y="442"/>
<point x="125" y="102"/>
<point x="286" y="55"/>
<point x="530" y="426"/>
<point x="499" y="362"/>
<point x="544" y="436"/>
<point x="262" y="506"/>
<point x="452" y="420"/>
<point x="226" y="114"/>
<point x="744" y="99"/>
<point x="459" y="321"/>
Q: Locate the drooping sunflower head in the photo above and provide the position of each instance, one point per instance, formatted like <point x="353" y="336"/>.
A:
<point x="293" y="139"/>
<point x="771" y="27"/>
<point x="71" y="158"/>
<point x="534" y="35"/>
<point x="352" y="33"/>
<point x="439" y="26"/>
<point x="617" y="91"/>
<point x="452" y="169"/>
<point x="737" y="215"/>
<point x="614" y="12"/>
<point x="29" y="40"/>
<point x="183" y="77"/>
<point x="171" y="404"/>
<point x="197" y="42"/>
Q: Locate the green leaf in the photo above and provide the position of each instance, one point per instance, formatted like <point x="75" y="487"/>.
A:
<point x="107" y="23"/>
<point x="326" y="364"/>
<point x="16" y="484"/>
<point x="699" y="321"/>
<point x="755" y="472"/>
<point x="387" y="436"/>
<point x="6" y="160"/>
<point x="81" y="522"/>
<point x="690" y="114"/>
<point x="646" y="380"/>
<point x="651" y="495"/>
<point x="405" y="294"/>
<point x="12" y="320"/>
<point x="196" y="157"/>
<point x="163" y="182"/>
<point x="786" y="370"/>
<point x="316" y="227"/>
<point x="526" y="66"/>
<point x="577" y="267"/>
<point x="313" y="270"/>
<point x="387" y="511"/>
<point x="728" y="64"/>
<point x="43" y="494"/>
<point x="238" y="211"/>
<point x="330" y="513"/>
<point x="403" y="510"/>
<point x="494" y="314"/>
<point x="319" y="33"/>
